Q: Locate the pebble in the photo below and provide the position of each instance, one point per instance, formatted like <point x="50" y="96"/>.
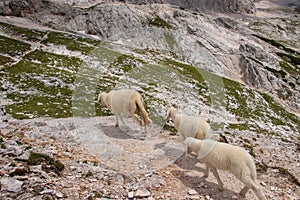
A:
<point x="142" y="193"/>
<point x="272" y="188"/>
<point x="130" y="195"/>
<point x="192" y="192"/>
<point x="59" y="195"/>
<point x="263" y="183"/>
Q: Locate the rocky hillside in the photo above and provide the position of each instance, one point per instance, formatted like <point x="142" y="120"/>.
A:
<point x="235" y="63"/>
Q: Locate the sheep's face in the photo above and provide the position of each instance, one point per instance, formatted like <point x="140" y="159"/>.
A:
<point x="169" y="112"/>
<point x="101" y="98"/>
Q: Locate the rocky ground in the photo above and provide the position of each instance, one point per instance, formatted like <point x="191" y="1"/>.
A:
<point x="50" y="159"/>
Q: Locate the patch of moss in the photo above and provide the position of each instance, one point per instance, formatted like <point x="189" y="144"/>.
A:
<point x="284" y="117"/>
<point x="295" y="60"/>
<point x="59" y="166"/>
<point x="194" y="75"/>
<point x="250" y="148"/>
<point x="276" y="44"/>
<point x="278" y="73"/>
<point x="171" y="129"/>
<point x="46" y="197"/>
<point x="38" y="158"/>
<point x="44" y="82"/>
<point x="5" y="60"/>
<point x="24" y="33"/>
<point x="157" y="21"/>
<point x="46" y="161"/>
<point x="72" y="42"/>
<point x="126" y="62"/>
<point x="288" y="68"/>
<point x="12" y="47"/>
<point x="262" y="167"/>
<point x="169" y="37"/>
<point x="89" y="173"/>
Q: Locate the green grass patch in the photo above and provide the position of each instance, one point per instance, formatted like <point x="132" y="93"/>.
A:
<point x="5" y="60"/>
<point x="44" y="83"/>
<point x="12" y="47"/>
<point x="295" y="60"/>
<point x="46" y="161"/>
<point x="159" y="22"/>
<point x="24" y="33"/>
<point x="72" y="42"/>
<point x="276" y="44"/>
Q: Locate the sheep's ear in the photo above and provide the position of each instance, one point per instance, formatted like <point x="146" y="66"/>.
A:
<point x="99" y="98"/>
<point x="168" y="113"/>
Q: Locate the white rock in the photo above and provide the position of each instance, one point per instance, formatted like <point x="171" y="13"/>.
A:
<point x="59" y="195"/>
<point x="143" y="192"/>
<point x="130" y="195"/>
<point x="192" y="192"/>
<point x="263" y="183"/>
<point x="272" y="188"/>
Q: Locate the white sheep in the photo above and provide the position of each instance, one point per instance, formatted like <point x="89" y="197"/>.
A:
<point x="189" y="126"/>
<point x="222" y="156"/>
<point x="125" y="101"/>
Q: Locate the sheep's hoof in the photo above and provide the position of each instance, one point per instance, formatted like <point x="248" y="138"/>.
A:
<point x="220" y="188"/>
<point x="242" y="194"/>
<point x="205" y="176"/>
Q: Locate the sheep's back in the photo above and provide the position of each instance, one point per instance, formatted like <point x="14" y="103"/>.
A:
<point x="228" y="157"/>
<point x="203" y="130"/>
<point x="188" y="125"/>
<point x="120" y="101"/>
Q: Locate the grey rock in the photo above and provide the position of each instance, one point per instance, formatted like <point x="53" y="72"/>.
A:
<point x="10" y="184"/>
<point x="142" y="193"/>
<point x="246" y="6"/>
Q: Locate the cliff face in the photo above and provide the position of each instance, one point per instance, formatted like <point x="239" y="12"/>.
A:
<point x="238" y="48"/>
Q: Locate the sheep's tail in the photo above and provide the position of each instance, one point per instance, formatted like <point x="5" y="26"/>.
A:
<point x="141" y="108"/>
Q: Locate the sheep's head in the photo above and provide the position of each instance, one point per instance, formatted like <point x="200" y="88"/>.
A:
<point x="188" y="141"/>
<point x="170" y="111"/>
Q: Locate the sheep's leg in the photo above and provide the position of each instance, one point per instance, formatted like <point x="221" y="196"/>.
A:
<point x="132" y="110"/>
<point x="244" y="191"/>
<point x="206" y="172"/>
<point x="249" y="183"/>
<point x="136" y="119"/>
<point x="216" y="174"/>
<point x="117" y="120"/>
<point x="122" y="120"/>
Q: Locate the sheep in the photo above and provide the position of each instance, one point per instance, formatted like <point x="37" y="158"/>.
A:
<point x="125" y="101"/>
<point x="222" y="156"/>
<point x="189" y="126"/>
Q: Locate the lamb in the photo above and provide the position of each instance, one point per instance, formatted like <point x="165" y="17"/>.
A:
<point x="125" y="101"/>
<point x="189" y="126"/>
<point x="222" y="156"/>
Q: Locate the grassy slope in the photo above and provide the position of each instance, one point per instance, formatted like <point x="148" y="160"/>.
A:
<point x="42" y="83"/>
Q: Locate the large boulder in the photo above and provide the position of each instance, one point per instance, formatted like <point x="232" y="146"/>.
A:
<point x="233" y="6"/>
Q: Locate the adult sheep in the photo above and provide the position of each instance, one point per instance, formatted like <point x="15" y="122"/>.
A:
<point x="125" y="101"/>
<point x="189" y="126"/>
<point x="222" y="156"/>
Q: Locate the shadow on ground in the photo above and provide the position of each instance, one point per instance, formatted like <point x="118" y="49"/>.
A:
<point x="198" y="183"/>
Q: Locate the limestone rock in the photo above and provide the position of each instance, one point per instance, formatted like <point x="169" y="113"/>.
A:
<point x="11" y="184"/>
